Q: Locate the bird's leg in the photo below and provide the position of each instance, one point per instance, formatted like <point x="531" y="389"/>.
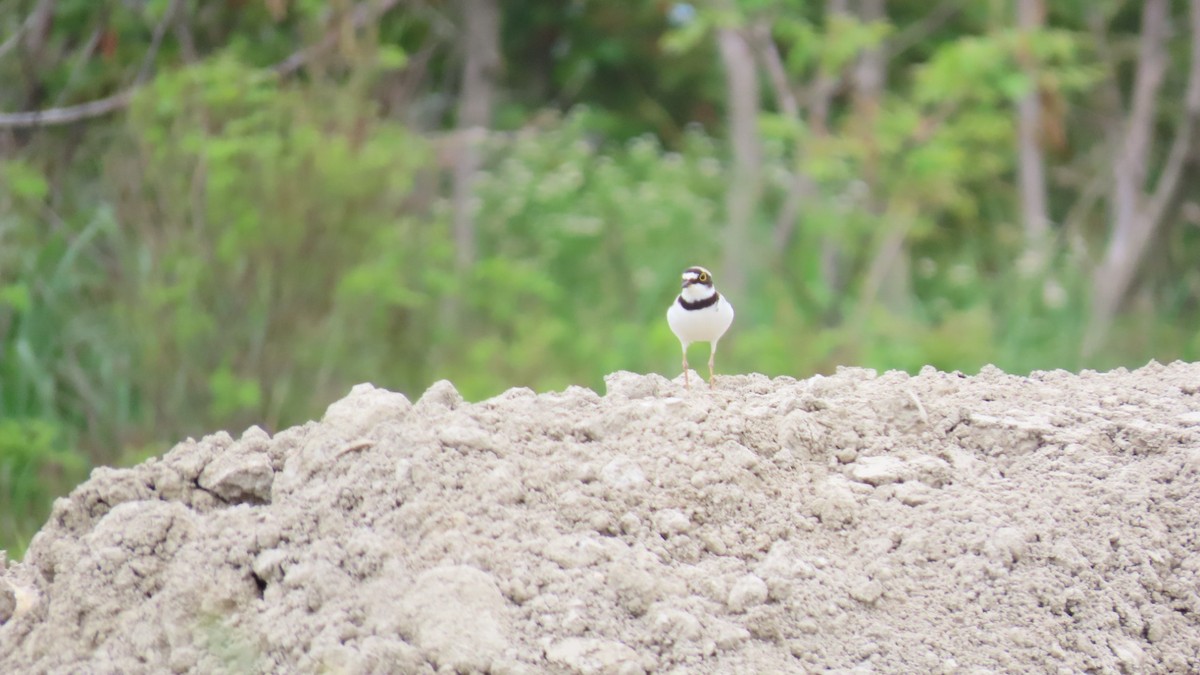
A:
<point x="686" y="383"/>
<point x="712" y="355"/>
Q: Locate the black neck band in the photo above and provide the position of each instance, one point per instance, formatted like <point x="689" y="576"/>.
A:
<point x="700" y="304"/>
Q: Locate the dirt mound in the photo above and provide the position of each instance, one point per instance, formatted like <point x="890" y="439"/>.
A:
<point x="937" y="523"/>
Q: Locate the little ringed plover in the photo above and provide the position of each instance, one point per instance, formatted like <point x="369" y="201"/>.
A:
<point x="699" y="314"/>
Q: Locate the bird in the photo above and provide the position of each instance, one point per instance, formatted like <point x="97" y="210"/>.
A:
<point x="699" y="314"/>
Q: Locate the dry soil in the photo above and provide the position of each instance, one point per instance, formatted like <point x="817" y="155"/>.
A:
<point x="857" y="522"/>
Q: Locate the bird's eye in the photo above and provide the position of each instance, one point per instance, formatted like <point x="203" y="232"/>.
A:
<point x="703" y="277"/>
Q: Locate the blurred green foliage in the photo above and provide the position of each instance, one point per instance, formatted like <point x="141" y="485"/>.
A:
<point x="240" y="247"/>
<point x="36" y="465"/>
<point x="262" y="223"/>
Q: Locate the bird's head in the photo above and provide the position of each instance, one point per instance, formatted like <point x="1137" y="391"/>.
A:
<point x="697" y="276"/>
<point x="697" y="283"/>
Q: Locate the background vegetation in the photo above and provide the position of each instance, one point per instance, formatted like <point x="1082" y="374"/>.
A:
<point x="218" y="214"/>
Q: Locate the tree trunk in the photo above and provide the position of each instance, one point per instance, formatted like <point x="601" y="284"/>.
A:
<point x="889" y="274"/>
<point x="870" y="77"/>
<point x="1031" y="172"/>
<point x="481" y="39"/>
<point x="870" y="73"/>
<point x="741" y="81"/>
<point x="1136" y="217"/>
<point x="832" y="254"/>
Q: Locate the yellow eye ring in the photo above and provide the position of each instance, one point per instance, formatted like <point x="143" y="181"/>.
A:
<point x="703" y="277"/>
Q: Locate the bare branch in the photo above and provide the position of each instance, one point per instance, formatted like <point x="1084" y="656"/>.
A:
<point x="918" y="31"/>
<point x="156" y="40"/>
<point x="1132" y="223"/>
<point x="363" y="14"/>
<point x="68" y="114"/>
<point x="825" y="84"/>
<point x="1093" y="186"/>
<point x="929" y="126"/>
<point x="773" y="63"/>
<point x="402" y="85"/>
<point x="789" y="105"/>
<point x="187" y="41"/>
<point x="83" y="57"/>
<point x="1181" y="146"/>
<point x="37" y="15"/>
<point x="1131" y="166"/>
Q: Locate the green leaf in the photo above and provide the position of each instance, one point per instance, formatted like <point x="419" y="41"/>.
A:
<point x="231" y="393"/>
<point x="1015" y="85"/>
<point x="684" y="39"/>
<point x="780" y="127"/>
<point x="392" y="57"/>
<point x="24" y="181"/>
<point x="16" y="295"/>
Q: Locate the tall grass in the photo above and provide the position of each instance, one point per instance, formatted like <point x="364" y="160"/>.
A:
<point x="63" y="393"/>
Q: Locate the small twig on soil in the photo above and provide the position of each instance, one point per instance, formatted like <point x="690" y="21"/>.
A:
<point x="920" y="408"/>
<point x="355" y="447"/>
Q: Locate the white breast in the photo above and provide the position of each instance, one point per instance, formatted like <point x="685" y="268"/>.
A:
<point x="700" y="325"/>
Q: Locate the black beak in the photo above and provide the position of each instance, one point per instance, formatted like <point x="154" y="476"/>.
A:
<point x="685" y="283"/>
